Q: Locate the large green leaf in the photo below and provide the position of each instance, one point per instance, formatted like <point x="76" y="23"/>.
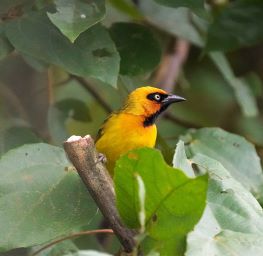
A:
<point x="194" y="4"/>
<point x="181" y="162"/>
<point x="61" y="126"/>
<point x="139" y="50"/>
<point x="250" y="128"/>
<point x="88" y="253"/>
<point x="179" y="22"/>
<point x="35" y="63"/>
<point x="41" y="197"/>
<point x="241" y="88"/>
<point x="14" y="136"/>
<point x="127" y="8"/>
<point x="74" y="108"/>
<point x="238" y="25"/>
<point x="91" y="253"/>
<point x="5" y="47"/>
<point x="61" y="113"/>
<point x="75" y="16"/>
<point x="170" y="202"/>
<point x="232" y="223"/>
<point x="236" y="154"/>
<point x="66" y="247"/>
<point x="93" y="53"/>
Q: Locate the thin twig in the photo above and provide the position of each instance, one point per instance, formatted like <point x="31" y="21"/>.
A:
<point x="87" y="232"/>
<point x="171" y="65"/>
<point x="83" y="155"/>
<point x="169" y="72"/>
<point x="93" y="92"/>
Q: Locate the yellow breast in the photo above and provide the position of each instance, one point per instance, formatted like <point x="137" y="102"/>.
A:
<point x="121" y="133"/>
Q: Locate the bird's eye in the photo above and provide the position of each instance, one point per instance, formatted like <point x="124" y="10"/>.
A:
<point x="157" y="97"/>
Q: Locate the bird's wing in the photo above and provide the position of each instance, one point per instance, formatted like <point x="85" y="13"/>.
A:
<point x="101" y="130"/>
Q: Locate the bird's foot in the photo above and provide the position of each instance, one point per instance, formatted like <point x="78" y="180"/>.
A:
<point x="102" y="158"/>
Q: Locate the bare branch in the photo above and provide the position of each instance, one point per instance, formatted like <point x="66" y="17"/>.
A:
<point x="83" y="155"/>
<point x="171" y="65"/>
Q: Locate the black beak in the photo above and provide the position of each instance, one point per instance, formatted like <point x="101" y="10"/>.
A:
<point x="172" y="99"/>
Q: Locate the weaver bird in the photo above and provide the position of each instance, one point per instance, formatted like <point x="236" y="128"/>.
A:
<point x="133" y="126"/>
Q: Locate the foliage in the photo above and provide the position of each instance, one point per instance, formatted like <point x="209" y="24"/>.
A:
<point x="43" y="177"/>
<point x="131" y="41"/>
<point x="171" y="199"/>
<point x="74" y="17"/>
<point x="64" y="65"/>
<point x="232" y="221"/>
<point x="50" y="46"/>
<point x="229" y="25"/>
<point x="222" y="146"/>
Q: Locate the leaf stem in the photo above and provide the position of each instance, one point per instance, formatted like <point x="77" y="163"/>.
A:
<point x="74" y="235"/>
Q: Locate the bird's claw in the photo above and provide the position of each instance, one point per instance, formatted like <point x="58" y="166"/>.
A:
<point x="102" y="158"/>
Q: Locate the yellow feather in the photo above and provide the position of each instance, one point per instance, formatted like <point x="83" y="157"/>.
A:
<point x="133" y="126"/>
<point x="121" y="133"/>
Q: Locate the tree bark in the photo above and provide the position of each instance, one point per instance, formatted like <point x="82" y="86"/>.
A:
<point x="82" y="153"/>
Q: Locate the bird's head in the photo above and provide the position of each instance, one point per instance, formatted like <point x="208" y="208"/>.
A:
<point x="149" y="102"/>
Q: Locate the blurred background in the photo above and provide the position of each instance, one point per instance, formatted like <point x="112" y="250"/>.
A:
<point x="212" y="56"/>
<point x="43" y="102"/>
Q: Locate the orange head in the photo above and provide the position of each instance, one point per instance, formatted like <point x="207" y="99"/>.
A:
<point x="149" y="102"/>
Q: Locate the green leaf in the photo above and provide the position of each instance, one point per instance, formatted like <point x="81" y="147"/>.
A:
<point x="41" y="197"/>
<point x="193" y="4"/>
<point x="165" y="18"/>
<point x="171" y="199"/>
<point x="236" y="154"/>
<point x="75" y="109"/>
<point x="5" y="47"/>
<point x="181" y="162"/>
<point x="196" y="6"/>
<point x="138" y="49"/>
<point x="89" y="253"/>
<point x="35" y="63"/>
<point x="72" y="89"/>
<point x="162" y="145"/>
<point x="242" y="91"/>
<point x="75" y="16"/>
<point x="15" y="136"/>
<point x="57" y="125"/>
<point x="127" y="8"/>
<point x="250" y="128"/>
<point x="63" y="112"/>
<point x="66" y="247"/>
<point x="255" y="83"/>
<point x="93" y="53"/>
<point x="228" y="243"/>
<point x="232" y="223"/>
<point x="238" y="25"/>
